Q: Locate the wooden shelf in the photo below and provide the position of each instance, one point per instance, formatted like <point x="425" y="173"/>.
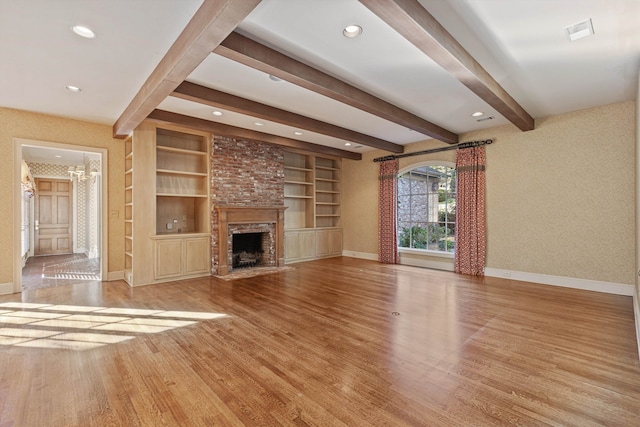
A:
<point x="325" y="168"/>
<point x="327" y="180"/>
<point x="294" y="168"/>
<point x="327" y="204"/>
<point x="180" y="195"/>
<point x="297" y="197"/>
<point x="327" y="192"/>
<point x="299" y="182"/>
<point x="180" y="150"/>
<point x="178" y="172"/>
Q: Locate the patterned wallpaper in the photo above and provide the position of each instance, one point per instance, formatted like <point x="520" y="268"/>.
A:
<point x="551" y="208"/>
<point x="93" y="217"/>
<point x="48" y="170"/>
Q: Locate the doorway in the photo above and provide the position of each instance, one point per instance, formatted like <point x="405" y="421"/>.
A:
<point x="62" y="221"/>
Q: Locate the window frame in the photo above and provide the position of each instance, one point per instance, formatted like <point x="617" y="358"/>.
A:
<point x="408" y="168"/>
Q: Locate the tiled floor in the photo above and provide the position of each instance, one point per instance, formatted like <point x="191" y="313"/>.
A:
<point x="59" y="270"/>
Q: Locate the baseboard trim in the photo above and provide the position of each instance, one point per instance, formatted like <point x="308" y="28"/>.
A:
<point x="115" y="275"/>
<point x="361" y="255"/>
<point x="566" y="282"/>
<point x="6" y="288"/>
<point x="544" y="279"/>
<point x="426" y="263"/>
<point x="413" y="262"/>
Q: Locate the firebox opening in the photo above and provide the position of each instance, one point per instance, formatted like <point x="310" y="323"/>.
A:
<point x="247" y="250"/>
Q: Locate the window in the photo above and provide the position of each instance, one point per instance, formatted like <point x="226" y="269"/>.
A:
<point x="427" y="208"/>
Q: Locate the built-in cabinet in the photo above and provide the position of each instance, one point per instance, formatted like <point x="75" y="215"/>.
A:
<point x="312" y="190"/>
<point x="166" y="204"/>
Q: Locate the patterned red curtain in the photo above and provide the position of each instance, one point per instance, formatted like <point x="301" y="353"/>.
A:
<point x="471" y="244"/>
<point x="388" y="212"/>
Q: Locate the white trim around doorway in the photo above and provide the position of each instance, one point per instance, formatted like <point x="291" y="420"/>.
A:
<point x="17" y="197"/>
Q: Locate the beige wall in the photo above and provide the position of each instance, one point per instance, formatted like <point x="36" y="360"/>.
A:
<point x="560" y="198"/>
<point x="39" y="127"/>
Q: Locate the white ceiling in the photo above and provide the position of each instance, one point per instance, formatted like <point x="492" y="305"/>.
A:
<point x="521" y="43"/>
<point x="38" y="154"/>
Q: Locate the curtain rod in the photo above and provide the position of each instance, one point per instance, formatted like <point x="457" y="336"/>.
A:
<point x="436" y="150"/>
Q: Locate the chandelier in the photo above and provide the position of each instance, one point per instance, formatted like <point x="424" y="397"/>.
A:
<point x="79" y="173"/>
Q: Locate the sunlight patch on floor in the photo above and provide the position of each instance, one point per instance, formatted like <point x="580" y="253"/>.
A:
<point x="80" y="328"/>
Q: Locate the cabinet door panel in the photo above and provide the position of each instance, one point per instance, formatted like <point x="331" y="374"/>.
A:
<point x="329" y="242"/>
<point x="168" y="258"/>
<point x="197" y="259"/>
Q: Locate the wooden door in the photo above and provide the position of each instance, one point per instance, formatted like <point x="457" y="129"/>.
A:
<point x="53" y="217"/>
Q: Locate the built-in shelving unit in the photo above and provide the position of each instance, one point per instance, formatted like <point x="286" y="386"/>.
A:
<point x="327" y="192"/>
<point x="312" y="196"/>
<point x="128" y="208"/>
<point x="182" y="181"/>
<point x="167" y="235"/>
<point x="298" y="190"/>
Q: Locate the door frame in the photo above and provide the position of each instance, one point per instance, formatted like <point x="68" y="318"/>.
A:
<point x="17" y="198"/>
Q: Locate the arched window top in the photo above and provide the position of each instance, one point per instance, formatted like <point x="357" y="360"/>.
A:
<point x="427" y="207"/>
<point x="427" y="164"/>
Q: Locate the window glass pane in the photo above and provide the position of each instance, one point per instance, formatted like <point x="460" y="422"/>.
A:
<point x="404" y="235"/>
<point x="426" y="208"/>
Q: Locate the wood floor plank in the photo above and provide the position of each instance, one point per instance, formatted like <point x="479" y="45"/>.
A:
<point x="335" y="342"/>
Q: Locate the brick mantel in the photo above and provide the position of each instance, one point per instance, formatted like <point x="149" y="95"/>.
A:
<point x="249" y="215"/>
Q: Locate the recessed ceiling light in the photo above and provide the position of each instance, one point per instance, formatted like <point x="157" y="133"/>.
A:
<point x="477" y="114"/>
<point x="297" y="133"/>
<point x="274" y="78"/>
<point x="258" y="123"/>
<point x="348" y="144"/>
<point x="57" y="156"/>
<point x="83" y="32"/>
<point x="217" y="113"/>
<point x="580" y="30"/>
<point x="75" y="89"/>
<point x="352" y="31"/>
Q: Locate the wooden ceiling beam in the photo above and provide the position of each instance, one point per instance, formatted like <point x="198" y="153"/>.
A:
<point x="204" y="95"/>
<point x="236" y="132"/>
<point x="212" y="22"/>
<point x="418" y="26"/>
<point x="253" y="54"/>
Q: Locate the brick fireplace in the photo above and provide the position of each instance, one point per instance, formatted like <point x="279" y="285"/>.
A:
<point x="268" y="220"/>
<point x="247" y="196"/>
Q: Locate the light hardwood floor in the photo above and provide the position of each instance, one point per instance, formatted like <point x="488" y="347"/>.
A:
<point x="337" y="342"/>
